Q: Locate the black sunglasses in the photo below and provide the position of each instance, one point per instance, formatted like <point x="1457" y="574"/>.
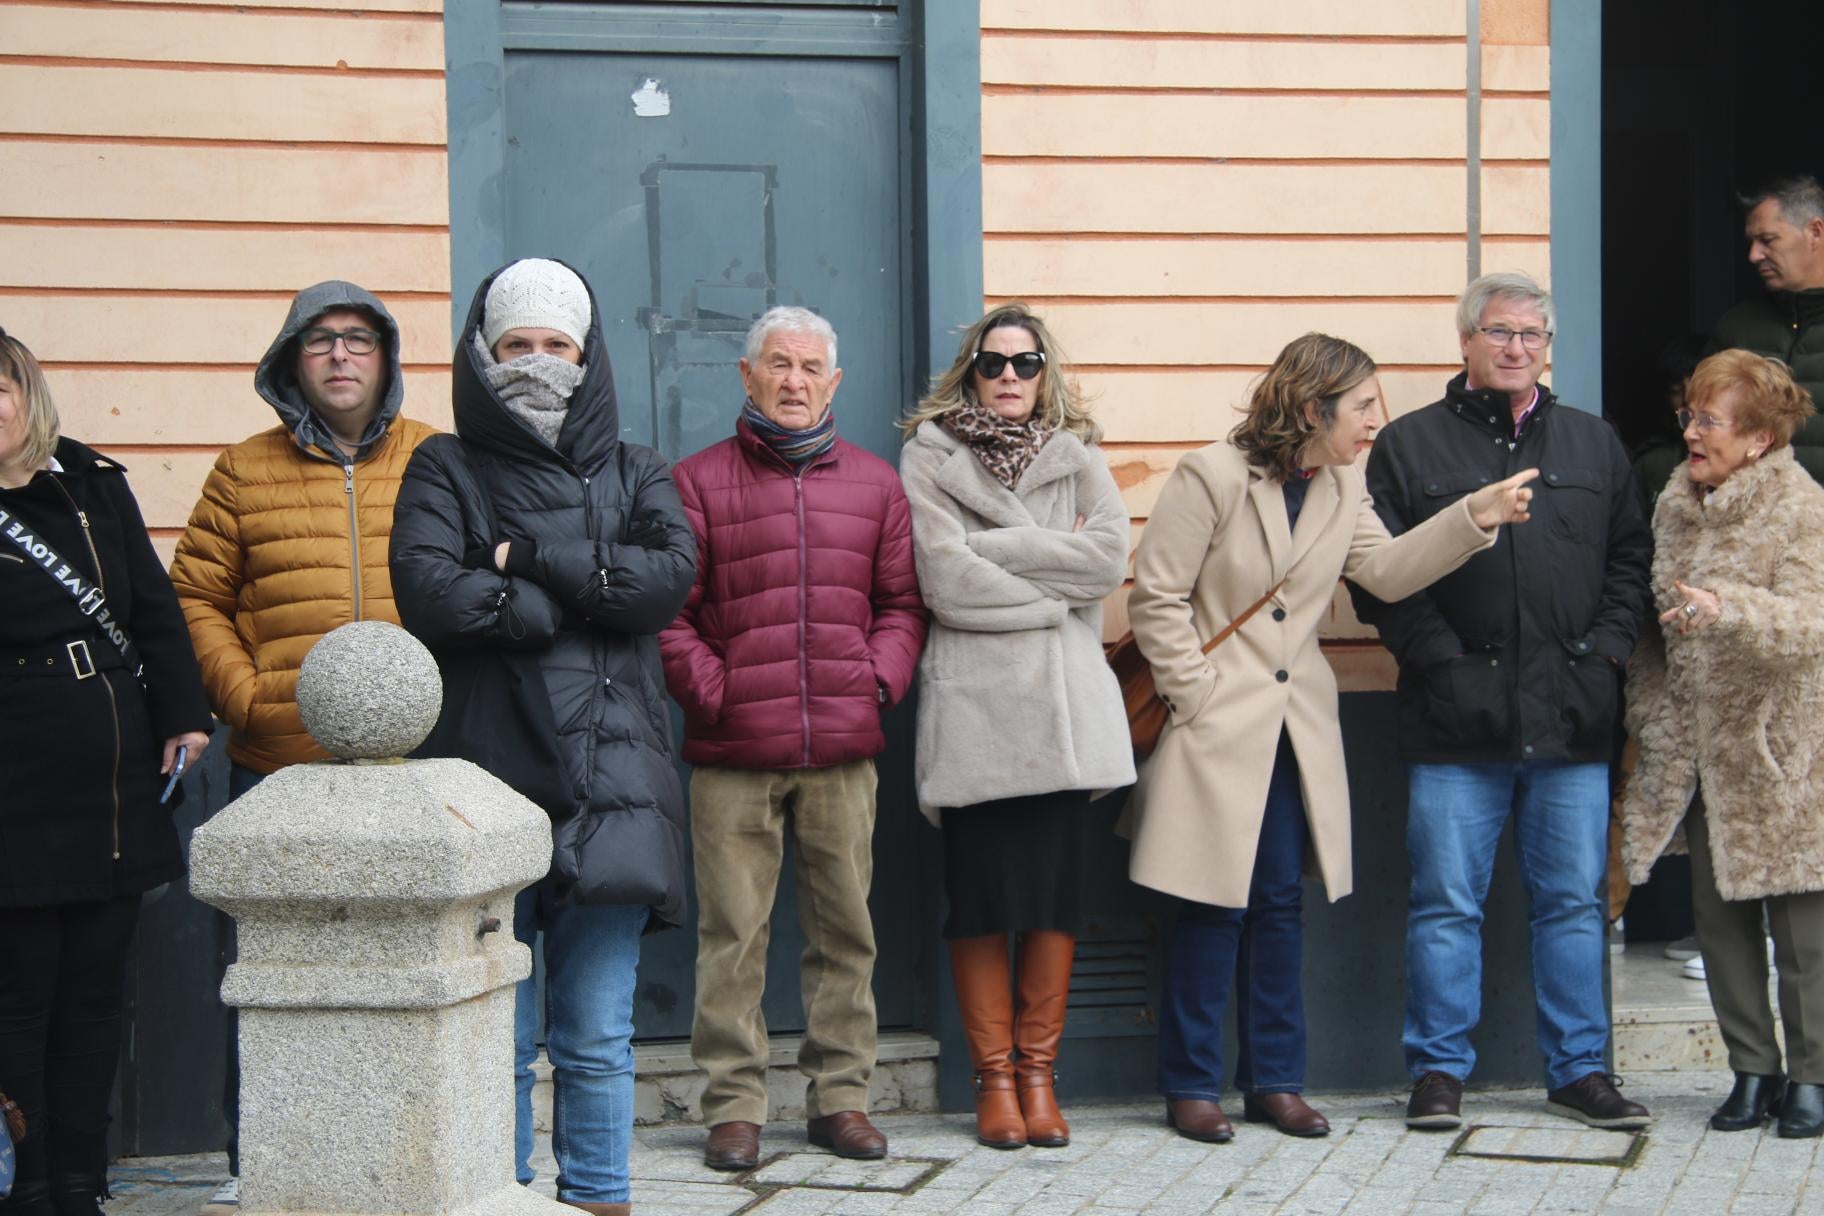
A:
<point x="990" y="364"/>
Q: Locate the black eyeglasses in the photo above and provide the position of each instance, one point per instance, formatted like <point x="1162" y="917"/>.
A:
<point x="321" y="341"/>
<point x="990" y="364"/>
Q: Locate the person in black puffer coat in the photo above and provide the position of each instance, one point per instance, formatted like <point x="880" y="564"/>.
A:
<point x="538" y="557"/>
<point x="83" y="834"/>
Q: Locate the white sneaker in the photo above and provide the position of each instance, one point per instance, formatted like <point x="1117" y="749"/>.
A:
<point x="1682" y="949"/>
<point x="1694" y="968"/>
<point x="226" y="1201"/>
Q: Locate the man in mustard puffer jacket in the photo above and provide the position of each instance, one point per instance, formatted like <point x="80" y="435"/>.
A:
<point x="290" y="540"/>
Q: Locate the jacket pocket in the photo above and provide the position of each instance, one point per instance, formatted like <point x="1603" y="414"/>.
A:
<point x="1439" y="490"/>
<point x="1575" y="501"/>
<point x="1469" y="702"/>
<point x="1592" y="687"/>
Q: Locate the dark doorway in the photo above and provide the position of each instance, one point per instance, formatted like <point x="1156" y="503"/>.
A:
<point x="1699" y="105"/>
<point x="1700" y="102"/>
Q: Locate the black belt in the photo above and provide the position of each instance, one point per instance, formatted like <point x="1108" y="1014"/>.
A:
<point x="66" y="659"/>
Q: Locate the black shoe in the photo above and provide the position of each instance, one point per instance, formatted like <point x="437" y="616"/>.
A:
<point x="1436" y="1103"/>
<point x="78" y="1195"/>
<point x="1754" y="1098"/>
<point x="28" y="1198"/>
<point x="1593" y="1099"/>
<point x="1802" y="1113"/>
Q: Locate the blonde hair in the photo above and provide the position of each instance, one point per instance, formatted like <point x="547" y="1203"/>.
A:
<point x="1274" y="430"/>
<point x="1769" y="400"/>
<point x="1061" y="405"/>
<point x="34" y="396"/>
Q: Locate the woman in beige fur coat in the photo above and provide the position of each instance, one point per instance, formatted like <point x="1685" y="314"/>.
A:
<point x="1726" y="699"/>
<point x="1019" y="533"/>
<point x="1248" y="776"/>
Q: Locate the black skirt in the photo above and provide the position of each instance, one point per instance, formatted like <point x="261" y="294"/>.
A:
<point x="1016" y="864"/>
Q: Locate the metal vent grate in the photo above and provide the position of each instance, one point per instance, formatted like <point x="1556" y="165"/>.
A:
<point x="1113" y="984"/>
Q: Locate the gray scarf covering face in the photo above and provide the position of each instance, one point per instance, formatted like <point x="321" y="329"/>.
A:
<point x="535" y="389"/>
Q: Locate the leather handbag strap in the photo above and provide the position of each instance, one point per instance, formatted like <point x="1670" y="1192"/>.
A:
<point x="1223" y="634"/>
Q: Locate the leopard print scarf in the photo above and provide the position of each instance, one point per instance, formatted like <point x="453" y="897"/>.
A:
<point x="1004" y="448"/>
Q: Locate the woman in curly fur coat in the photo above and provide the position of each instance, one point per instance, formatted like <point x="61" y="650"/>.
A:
<point x="1725" y="700"/>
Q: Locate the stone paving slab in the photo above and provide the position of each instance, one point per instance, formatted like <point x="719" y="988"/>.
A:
<point x="1123" y="1160"/>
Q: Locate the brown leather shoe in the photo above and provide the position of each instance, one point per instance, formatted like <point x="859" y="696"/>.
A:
<point x="600" y="1209"/>
<point x="1593" y="1099"/>
<point x="733" y="1146"/>
<point x="1436" y="1103"/>
<point x="1290" y="1113"/>
<point x="847" y="1133"/>
<point x="1199" y="1119"/>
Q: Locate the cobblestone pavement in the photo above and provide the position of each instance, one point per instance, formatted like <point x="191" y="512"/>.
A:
<point x="1123" y="1160"/>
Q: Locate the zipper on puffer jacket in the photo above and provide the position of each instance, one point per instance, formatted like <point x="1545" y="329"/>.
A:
<point x="354" y="531"/>
<point x="587" y="774"/>
<point x="82" y="517"/>
<point x="804" y="578"/>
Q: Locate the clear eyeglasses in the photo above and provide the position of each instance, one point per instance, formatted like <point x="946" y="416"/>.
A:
<point x="1501" y="335"/>
<point x="1705" y="422"/>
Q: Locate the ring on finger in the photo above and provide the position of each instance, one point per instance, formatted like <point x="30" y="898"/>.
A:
<point x="1690" y="611"/>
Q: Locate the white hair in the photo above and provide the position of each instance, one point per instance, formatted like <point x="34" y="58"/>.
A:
<point x="1508" y="285"/>
<point x="786" y="319"/>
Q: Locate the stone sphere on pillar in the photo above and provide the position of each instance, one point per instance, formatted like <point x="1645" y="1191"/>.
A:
<point x="368" y="690"/>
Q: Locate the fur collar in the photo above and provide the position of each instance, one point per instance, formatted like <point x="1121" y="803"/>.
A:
<point x="1741" y="495"/>
<point x="962" y="476"/>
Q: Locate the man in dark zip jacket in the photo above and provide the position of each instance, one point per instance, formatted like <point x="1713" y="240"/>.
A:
<point x="1510" y="674"/>
<point x="1785" y="228"/>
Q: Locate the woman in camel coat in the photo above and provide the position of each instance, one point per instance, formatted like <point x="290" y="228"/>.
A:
<point x="1726" y="697"/>
<point x="1249" y="774"/>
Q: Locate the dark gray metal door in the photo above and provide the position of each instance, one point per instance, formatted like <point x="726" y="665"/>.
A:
<point x="695" y="190"/>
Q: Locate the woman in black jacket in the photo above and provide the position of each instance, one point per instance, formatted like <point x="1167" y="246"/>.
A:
<point x="84" y="831"/>
<point x="538" y="557"/>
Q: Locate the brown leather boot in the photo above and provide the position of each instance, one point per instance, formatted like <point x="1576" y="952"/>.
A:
<point x="601" y="1209"/>
<point x="1044" y="990"/>
<point x="984" y="993"/>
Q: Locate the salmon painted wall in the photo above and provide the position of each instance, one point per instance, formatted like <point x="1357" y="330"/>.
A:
<point x="1183" y="187"/>
<point x="175" y="171"/>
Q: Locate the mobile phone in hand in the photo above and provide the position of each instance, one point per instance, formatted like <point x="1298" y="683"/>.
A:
<point x="177" y="772"/>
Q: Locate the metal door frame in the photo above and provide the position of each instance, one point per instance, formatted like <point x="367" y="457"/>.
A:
<point x="937" y="48"/>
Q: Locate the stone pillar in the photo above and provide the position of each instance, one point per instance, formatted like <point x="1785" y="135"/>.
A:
<point x="374" y="901"/>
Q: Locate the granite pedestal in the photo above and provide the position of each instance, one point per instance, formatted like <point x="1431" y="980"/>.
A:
<point x="374" y="903"/>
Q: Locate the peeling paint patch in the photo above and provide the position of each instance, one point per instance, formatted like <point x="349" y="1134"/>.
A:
<point x="651" y="100"/>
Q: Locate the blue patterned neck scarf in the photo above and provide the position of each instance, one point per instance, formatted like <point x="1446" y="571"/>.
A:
<point x="796" y="448"/>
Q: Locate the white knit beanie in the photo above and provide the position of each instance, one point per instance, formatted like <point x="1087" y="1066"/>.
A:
<point x="536" y="293"/>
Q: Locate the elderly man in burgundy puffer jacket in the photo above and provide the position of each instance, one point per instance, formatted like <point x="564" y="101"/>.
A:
<point x="804" y="624"/>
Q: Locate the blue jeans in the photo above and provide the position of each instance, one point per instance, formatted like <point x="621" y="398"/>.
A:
<point x="591" y="954"/>
<point x="1561" y="824"/>
<point x="1259" y="947"/>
